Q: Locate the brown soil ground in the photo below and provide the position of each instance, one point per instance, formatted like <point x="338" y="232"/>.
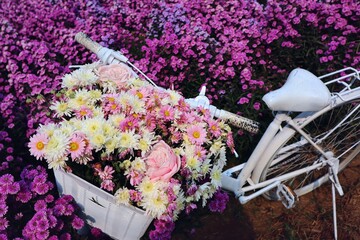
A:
<point x="311" y="218"/>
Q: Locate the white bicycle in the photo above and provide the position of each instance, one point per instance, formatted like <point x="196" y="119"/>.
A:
<point x="314" y="134"/>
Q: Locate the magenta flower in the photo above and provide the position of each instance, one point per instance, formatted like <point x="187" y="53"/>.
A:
<point x="77" y="223"/>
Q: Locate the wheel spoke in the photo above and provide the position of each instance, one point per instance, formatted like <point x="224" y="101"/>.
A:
<point x="326" y="130"/>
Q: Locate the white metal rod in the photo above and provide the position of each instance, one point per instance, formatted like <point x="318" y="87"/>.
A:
<point x="281" y="178"/>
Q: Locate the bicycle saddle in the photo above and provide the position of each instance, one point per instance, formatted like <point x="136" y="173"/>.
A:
<point x="302" y="91"/>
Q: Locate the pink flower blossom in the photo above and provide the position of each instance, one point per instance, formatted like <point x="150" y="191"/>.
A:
<point x="196" y="134"/>
<point x="76" y="146"/>
<point x="83" y="112"/>
<point x="167" y="113"/>
<point x="37" y="144"/>
<point x="120" y="74"/>
<point x="162" y="163"/>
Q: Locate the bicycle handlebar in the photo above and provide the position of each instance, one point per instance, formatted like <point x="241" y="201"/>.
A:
<point x="238" y="121"/>
<point x="229" y="117"/>
<point x="109" y="56"/>
<point x="105" y="54"/>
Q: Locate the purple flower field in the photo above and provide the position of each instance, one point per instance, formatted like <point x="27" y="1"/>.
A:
<point x="238" y="49"/>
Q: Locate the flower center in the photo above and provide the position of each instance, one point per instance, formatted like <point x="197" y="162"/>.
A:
<point x="213" y="127"/>
<point x="196" y="134"/>
<point x="62" y="107"/>
<point x="40" y="145"/>
<point x="83" y="112"/>
<point x="111" y="99"/>
<point x="113" y="106"/>
<point x="167" y="113"/>
<point x="74" y="146"/>
<point x="140" y="95"/>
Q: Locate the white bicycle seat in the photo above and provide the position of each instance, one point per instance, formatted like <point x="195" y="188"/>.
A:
<point x="302" y="91"/>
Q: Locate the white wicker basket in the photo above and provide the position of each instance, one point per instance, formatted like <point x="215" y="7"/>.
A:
<point x="118" y="221"/>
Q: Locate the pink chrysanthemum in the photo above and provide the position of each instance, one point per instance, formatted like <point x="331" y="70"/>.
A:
<point x="76" y="146"/>
<point x="107" y="184"/>
<point x="141" y="93"/>
<point x="37" y="145"/>
<point x="214" y="128"/>
<point x="83" y="112"/>
<point x="150" y="122"/>
<point x="135" y="178"/>
<point x="200" y="152"/>
<point x="167" y="113"/>
<point x="129" y="124"/>
<point x="196" y="134"/>
<point x="135" y="195"/>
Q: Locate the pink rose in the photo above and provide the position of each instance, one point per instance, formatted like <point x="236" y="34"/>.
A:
<point x="118" y="73"/>
<point x="162" y="163"/>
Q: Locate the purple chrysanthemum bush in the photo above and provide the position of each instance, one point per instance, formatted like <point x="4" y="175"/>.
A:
<point x="238" y="49"/>
<point x="29" y="205"/>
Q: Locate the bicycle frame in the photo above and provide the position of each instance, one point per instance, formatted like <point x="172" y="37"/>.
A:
<point x="250" y="171"/>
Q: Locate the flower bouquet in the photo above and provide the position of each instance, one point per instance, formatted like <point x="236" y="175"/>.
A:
<point x="143" y="145"/>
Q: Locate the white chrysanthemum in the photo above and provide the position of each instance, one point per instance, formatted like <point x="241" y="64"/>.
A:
<point x="95" y="95"/>
<point x="61" y="109"/>
<point x="173" y="98"/>
<point x="67" y="128"/>
<point x="57" y="163"/>
<point x="97" y="112"/>
<point x="47" y="129"/>
<point x="129" y="139"/>
<point x="116" y="119"/>
<point x="146" y="141"/>
<point x="123" y="99"/>
<point x="69" y="81"/>
<point x="205" y="166"/>
<point x="221" y="162"/>
<point x="193" y="163"/>
<point x="156" y="204"/>
<point x="112" y="144"/>
<point x="84" y="76"/>
<point x="136" y="104"/>
<point x="137" y="82"/>
<point x="76" y="123"/>
<point x="108" y="129"/>
<point x="215" y="147"/>
<point x="98" y="140"/>
<point x="80" y="98"/>
<point x="189" y="149"/>
<point x="56" y="147"/>
<point x="148" y="187"/>
<point x="93" y="125"/>
<point x="122" y="196"/>
<point x="108" y="86"/>
<point x="180" y="204"/>
<point x="138" y="164"/>
<point x="215" y="176"/>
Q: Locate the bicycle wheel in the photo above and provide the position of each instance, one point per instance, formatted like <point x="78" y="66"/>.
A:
<point x="337" y="130"/>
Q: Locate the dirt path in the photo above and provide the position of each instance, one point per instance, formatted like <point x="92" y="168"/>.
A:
<point x="261" y="219"/>
<point x="312" y="216"/>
